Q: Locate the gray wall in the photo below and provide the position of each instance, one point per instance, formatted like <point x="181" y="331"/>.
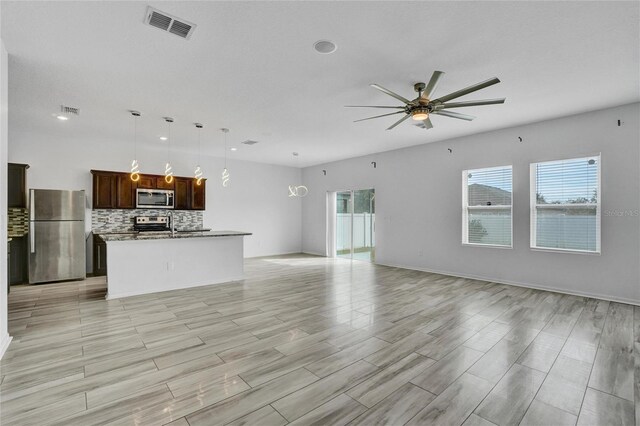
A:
<point x="419" y="192"/>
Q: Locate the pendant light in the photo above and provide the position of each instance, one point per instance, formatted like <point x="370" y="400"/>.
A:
<point x="197" y="174"/>
<point x="168" y="173"/>
<point x="135" y="167"/>
<point x="225" y="172"/>
<point x="297" y="190"/>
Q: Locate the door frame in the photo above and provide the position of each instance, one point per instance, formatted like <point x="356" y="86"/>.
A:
<point x="332" y="207"/>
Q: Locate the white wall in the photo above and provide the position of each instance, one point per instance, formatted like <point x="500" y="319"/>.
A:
<point x="419" y="192"/>
<point x="4" y="335"/>
<point x="256" y="200"/>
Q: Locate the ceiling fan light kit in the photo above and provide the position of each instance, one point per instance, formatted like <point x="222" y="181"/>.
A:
<point x="420" y="108"/>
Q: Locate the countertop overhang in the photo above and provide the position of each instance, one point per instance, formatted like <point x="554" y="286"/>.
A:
<point x="166" y="235"/>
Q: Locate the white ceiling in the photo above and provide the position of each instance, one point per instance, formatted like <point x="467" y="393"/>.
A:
<point x="251" y="67"/>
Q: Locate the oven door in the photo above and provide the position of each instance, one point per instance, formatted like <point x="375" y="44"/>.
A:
<point x="154" y="199"/>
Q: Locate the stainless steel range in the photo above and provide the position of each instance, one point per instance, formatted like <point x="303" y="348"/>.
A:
<point x="152" y="223"/>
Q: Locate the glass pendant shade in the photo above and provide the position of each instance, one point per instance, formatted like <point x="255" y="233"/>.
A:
<point x="225" y="177"/>
<point x="168" y="173"/>
<point x="197" y="174"/>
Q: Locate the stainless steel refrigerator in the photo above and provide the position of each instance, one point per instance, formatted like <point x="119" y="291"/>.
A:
<point x="56" y="235"/>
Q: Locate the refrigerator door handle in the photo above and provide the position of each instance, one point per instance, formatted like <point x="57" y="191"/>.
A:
<point x="32" y="205"/>
<point x="32" y="237"/>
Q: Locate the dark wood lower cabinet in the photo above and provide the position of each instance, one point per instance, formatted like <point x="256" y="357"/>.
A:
<point x="99" y="256"/>
<point x="19" y="260"/>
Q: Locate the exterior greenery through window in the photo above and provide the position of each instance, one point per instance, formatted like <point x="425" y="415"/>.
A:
<point x="486" y="206"/>
<point x="565" y="205"/>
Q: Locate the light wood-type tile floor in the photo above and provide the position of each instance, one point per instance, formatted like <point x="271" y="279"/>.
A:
<point x="308" y="340"/>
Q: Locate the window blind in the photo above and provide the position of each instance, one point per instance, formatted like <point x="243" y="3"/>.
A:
<point x="486" y="206"/>
<point x="565" y="201"/>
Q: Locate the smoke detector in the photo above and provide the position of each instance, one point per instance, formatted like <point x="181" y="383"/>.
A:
<point x="250" y="142"/>
<point x="169" y="23"/>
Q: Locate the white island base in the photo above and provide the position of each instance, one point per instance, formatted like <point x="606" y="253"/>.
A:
<point x="140" y="266"/>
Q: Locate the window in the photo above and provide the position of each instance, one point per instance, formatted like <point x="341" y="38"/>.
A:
<point x="486" y="206"/>
<point x="565" y="205"/>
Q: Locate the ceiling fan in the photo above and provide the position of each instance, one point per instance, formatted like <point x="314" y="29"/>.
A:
<point x="421" y="107"/>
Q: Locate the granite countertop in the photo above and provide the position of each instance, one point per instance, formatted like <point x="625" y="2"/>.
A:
<point x="155" y="235"/>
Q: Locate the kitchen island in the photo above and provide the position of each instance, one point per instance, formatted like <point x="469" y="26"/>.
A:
<point x="149" y="262"/>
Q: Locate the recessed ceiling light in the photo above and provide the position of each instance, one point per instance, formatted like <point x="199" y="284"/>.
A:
<point x="163" y="138"/>
<point x="325" y="47"/>
<point x="234" y="149"/>
<point x="62" y="117"/>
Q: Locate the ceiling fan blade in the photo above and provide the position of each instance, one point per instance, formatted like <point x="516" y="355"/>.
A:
<point x="427" y="123"/>
<point x="378" y="116"/>
<point x="390" y="93"/>
<point x="468" y="90"/>
<point x="373" y="106"/>
<point x="454" y="115"/>
<point x="398" y="122"/>
<point x="473" y="103"/>
<point x="431" y="86"/>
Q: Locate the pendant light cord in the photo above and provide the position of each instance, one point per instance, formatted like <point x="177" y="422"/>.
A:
<point x="135" y="137"/>
<point x="225" y="148"/>
<point x="169" y="143"/>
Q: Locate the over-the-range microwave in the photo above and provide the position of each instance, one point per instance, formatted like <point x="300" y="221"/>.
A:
<point x="154" y="198"/>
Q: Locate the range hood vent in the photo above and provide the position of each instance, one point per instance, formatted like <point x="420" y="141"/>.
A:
<point x="169" y="23"/>
<point x="69" y="110"/>
<point x="250" y="142"/>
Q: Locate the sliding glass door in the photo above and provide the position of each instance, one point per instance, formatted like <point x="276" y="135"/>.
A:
<point x="355" y="224"/>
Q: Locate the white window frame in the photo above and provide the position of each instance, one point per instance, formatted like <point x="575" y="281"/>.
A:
<point x="534" y="206"/>
<point x="466" y="208"/>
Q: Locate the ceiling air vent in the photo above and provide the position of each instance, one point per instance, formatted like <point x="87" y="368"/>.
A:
<point x="250" y="142"/>
<point x="69" y="110"/>
<point x="169" y="23"/>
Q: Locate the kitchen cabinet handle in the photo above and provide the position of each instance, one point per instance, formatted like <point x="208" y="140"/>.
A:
<point x="99" y="263"/>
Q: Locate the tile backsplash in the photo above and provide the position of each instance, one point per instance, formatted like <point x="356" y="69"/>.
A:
<point x="17" y="222"/>
<point x="116" y="220"/>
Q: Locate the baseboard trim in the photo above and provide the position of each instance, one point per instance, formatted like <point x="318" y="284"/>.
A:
<point x="112" y="296"/>
<point x="275" y="254"/>
<point x="313" y="253"/>
<point x="4" y="344"/>
<point x="517" y="284"/>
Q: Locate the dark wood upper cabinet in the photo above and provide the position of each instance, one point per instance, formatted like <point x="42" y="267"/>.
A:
<point x="198" y="195"/>
<point x="116" y="190"/>
<point x="162" y="184"/>
<point x="147" y="182"/>
<point x="126" y="192"/>
<point x="104" y="190"/>
<point x="17" y="188"/>
<point x="183" y="193"/>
